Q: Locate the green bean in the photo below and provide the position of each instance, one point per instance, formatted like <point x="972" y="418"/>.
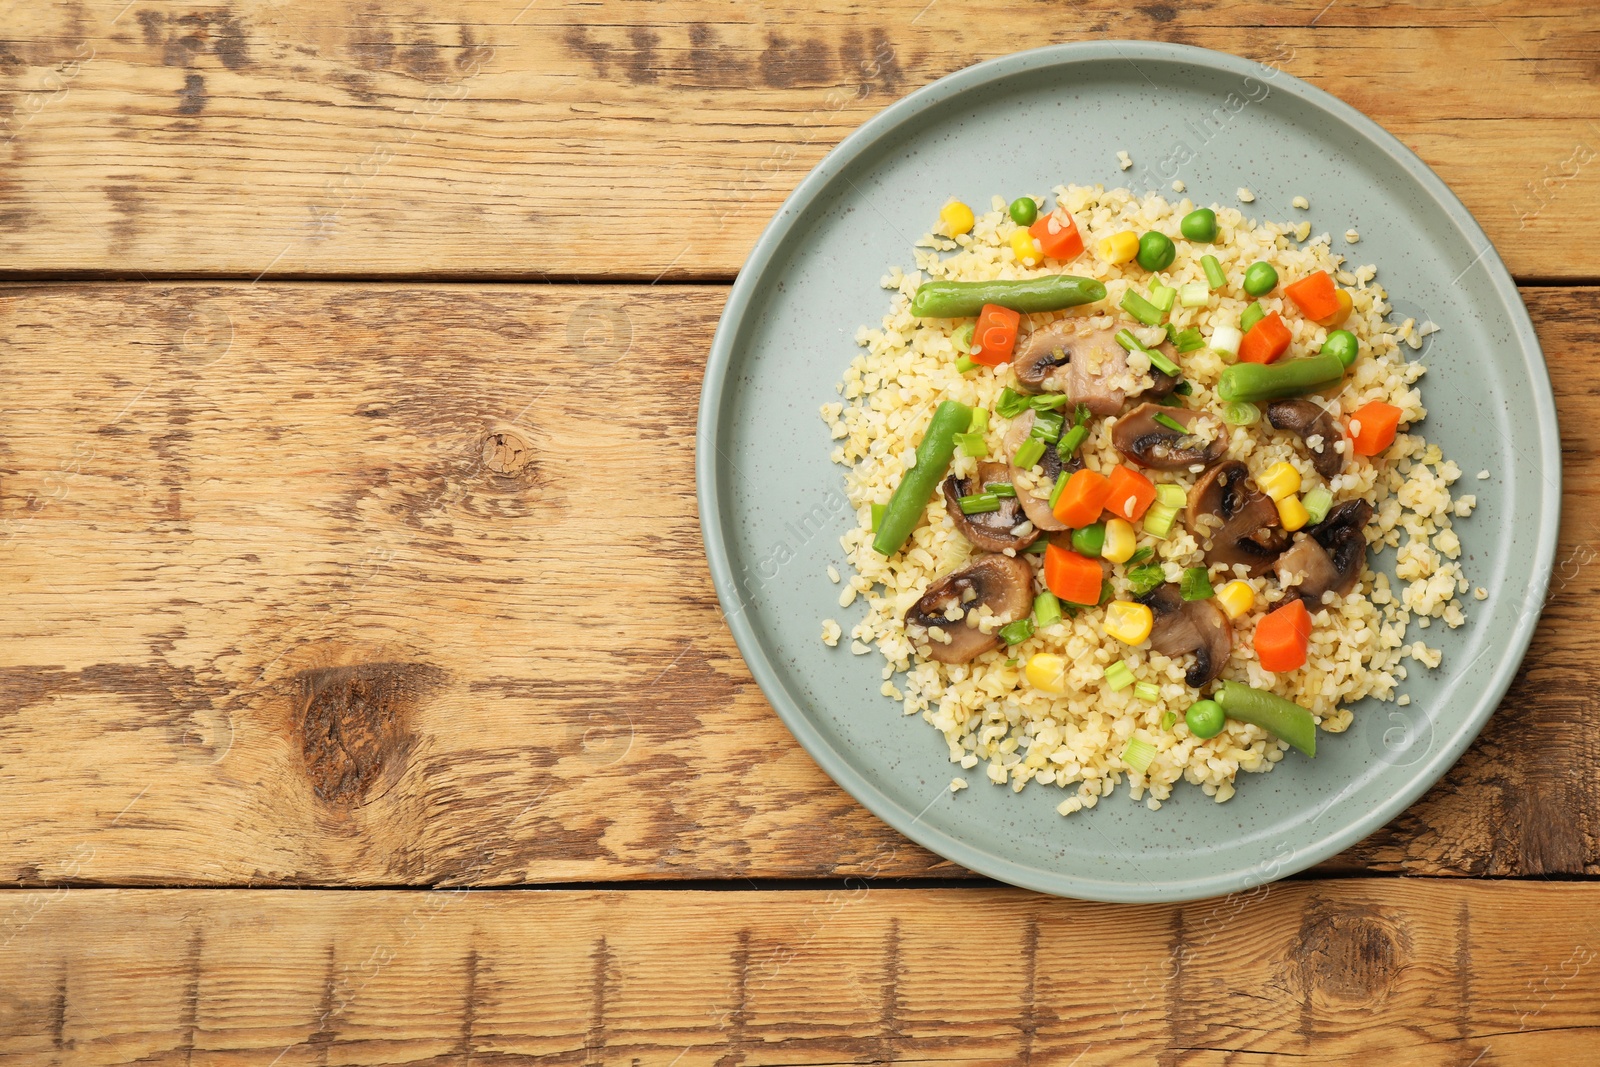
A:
<point x="1052" y="292"/>
<point x="911" y="496"/>
<point x="1281" y="718"/>
<point x="1255" y="382"/>
<point x="1199" y="225"/>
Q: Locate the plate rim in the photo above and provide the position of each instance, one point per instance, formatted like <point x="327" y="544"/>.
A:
<point x="866" y="791"/>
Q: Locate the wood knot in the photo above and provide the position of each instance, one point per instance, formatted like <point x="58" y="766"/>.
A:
<point x="506" y="453"/>
<point x="1349" y="953"/>
<point x="353" y="724"/>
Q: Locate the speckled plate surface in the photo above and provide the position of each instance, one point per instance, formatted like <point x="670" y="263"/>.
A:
<point x="772" y="506"/>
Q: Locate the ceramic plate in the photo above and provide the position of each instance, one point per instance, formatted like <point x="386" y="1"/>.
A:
<point x="772" y="506"/>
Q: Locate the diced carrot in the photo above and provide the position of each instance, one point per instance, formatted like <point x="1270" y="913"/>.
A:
<point x="1058" y="236"/>
<point x="1075" y="579"/>
<point x="1266" y="341"/>
<point x="1283" y="636"/>
<point x="1316" y="294"/>
<point x="1131" y="493"/>
<point x="1082" y="499"/>
<point x="995" y="335"/>
<point x="1372" y="427"/>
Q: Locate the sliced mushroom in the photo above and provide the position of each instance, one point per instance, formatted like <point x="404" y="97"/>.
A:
<point x="992" y="531"/>
<point x="1328" y="556"/>
<point x="1311" y="422"/>
<point x="1234" y="521"/>
<point x="1086" y="363"/>
<point x="1041" y="366"/>
<point x="1003" y="584"/>
<point x="1190" y="626"/>
<point x="1146" y="442"/>
<point x="1035" y="499"/>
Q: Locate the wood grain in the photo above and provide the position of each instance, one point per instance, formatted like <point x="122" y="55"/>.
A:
<point x="627" y="139"/>
<point x="1392" y="971"/>
<point x="300" y="585"/>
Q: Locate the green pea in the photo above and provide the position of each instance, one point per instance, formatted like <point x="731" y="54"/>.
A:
<point x="1205" y="718"/>
<point x="1260" y="279"/>
<point x="1199" y="225"/>
<point x="1342" y="343"/>
<point x="1089" y="540"/>
<point x="1024" y="211"/>
<point x="1156" y="251"/>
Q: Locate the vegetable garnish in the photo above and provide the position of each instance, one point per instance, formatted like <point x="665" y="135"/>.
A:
<point x="1265" y="341"/>
<point x="1283" y="719"/>
<point x="1194" y="295"/>
<point x="877" y="515"/>
<point x="1089" y="540"/>
<point x="978" y="503"/>
<point x="1138" y="754"/>
<point x="1372" y="427"/>
<point x="1000" y="489"/>
<point x="1214" y="275"/>
<point x="1149" y="692"/>
<point x="1283" y="636"/>
<point x="1141" y="554"/>
<point x="1140" y="308"/>
<point x="1170" y="423"/>
<point x="1048" y="401"/>
<point x="1145" y="577"/>
<point x="957" y="300"/>
<point x="1014" y="633"/>
<point x="1126" y="339"/>
<point x="1028" y="453"/>
<point x="1010" y="404"/>
<point x="1075" y="579"/>
<point x="910" y="498"/>
<point x="1162" y="296"/>
<point x="1315" y="295"/>
<point x="972" y="444"/>
<point x="1046" y="609"/>
<point x="1317" y="502"/>
<point x="1081" y="503"/>
<point x="1074" y="438"/>
<point x="1254" y="382"/>
<point x="1240" y="413"/>
<point x="1047" y="426"/>
<point x="1196" y="584"/>
<point x="1251" y="315"/>
<point x="1057" y="234"/>
<point x="1118" y="676"/>
<point x="995" y="336"/>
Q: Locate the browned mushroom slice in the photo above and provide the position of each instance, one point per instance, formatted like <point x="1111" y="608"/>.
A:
<point x="1003" y="584"/>
<point x="1184" y="627"/>
<point x="1035" y="499"/>
<point x="1317" y="429"/>
<point x="992" y="531"/>
<point x="1328" y="556"/>
<point x="1098" y="373"/>
<point x="1146" y="442"/>
<point x="1041" y="365"/>
<point x="1234" y="521"/>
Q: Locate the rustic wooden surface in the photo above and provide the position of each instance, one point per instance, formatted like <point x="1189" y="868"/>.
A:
<point x="294" y="571"/>
<point x="534" y="138"/>
<point x="1386" y="971"/>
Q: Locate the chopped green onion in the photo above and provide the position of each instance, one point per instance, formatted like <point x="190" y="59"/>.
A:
<point x="1071" y="441"/>
<point x="1149" y="692"/>
<point x="1061" y="483"/>
<point x="1145" y="577"/>
<point x="1029" y="453"/>
<point x="972" y="444"/>
<point x="1214" y="276"/>
<point x="1317" y="502"/>
<point x="877" y="515"/>
<point x="978" y="503"/>
<point x="1168" y="720"/>
<point x="1142" y="553"/>
<point x="1139" y="754"/>
<point x="1240" y="413"/>
<point x="1106" y="593"/>
<point x="1016" y="632"/>
<point x="1162" y="296"/>
<point x="1158" y="519"/>
<point x="966" y="365"/>
<point x="1194" y="295"/>
<point x="1183" y="388"/>
<point x="1169" y="422"/>
<point x="1037" y="548"/>
<point x="1196" y="584"/>
<point x="1171" y="400"/>
<point x="1171" y="495"/>
<point x="1141" y="309"/>
<point x="1010" y="405"/>
<point x="1189" y="340"/>
<point x="1000" y="489"/>
<point x="980" y="421"/>
<point x="1048" y="401"/>
<point x="962" y="338"/>
<point x="1118" y="676"/>
<point x="1047" y="426"/>
<point x="1252" y="315"/>
<point x="1012" y="662"/>
<point x="1046" y="609"/>
<point x="1126" y="339"/>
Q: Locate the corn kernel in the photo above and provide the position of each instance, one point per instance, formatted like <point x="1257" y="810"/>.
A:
<point x="1128" y="621"/>
<point x="1119" y="247"/>
<point x="1047" y="673"/>
<point x="1236" y="598"/>
<point x="1281" y="480"/>
<point x="1026" y="248"/>
<point x="957" y="218"/>
<point x="1292" y="513"/>
<point x="1119" y="544"/>
<point x="1334" y="321"/>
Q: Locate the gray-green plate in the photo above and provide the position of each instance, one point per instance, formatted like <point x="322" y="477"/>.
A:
<point x="772" y="506"/>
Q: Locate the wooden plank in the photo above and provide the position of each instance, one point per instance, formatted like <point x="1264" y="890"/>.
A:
<point x="1387" y="971"/>
<point x="298" y="591"/>
<point x="627" y="138"/>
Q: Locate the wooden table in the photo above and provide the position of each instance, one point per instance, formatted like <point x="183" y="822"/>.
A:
<point x="345" y="719"/>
